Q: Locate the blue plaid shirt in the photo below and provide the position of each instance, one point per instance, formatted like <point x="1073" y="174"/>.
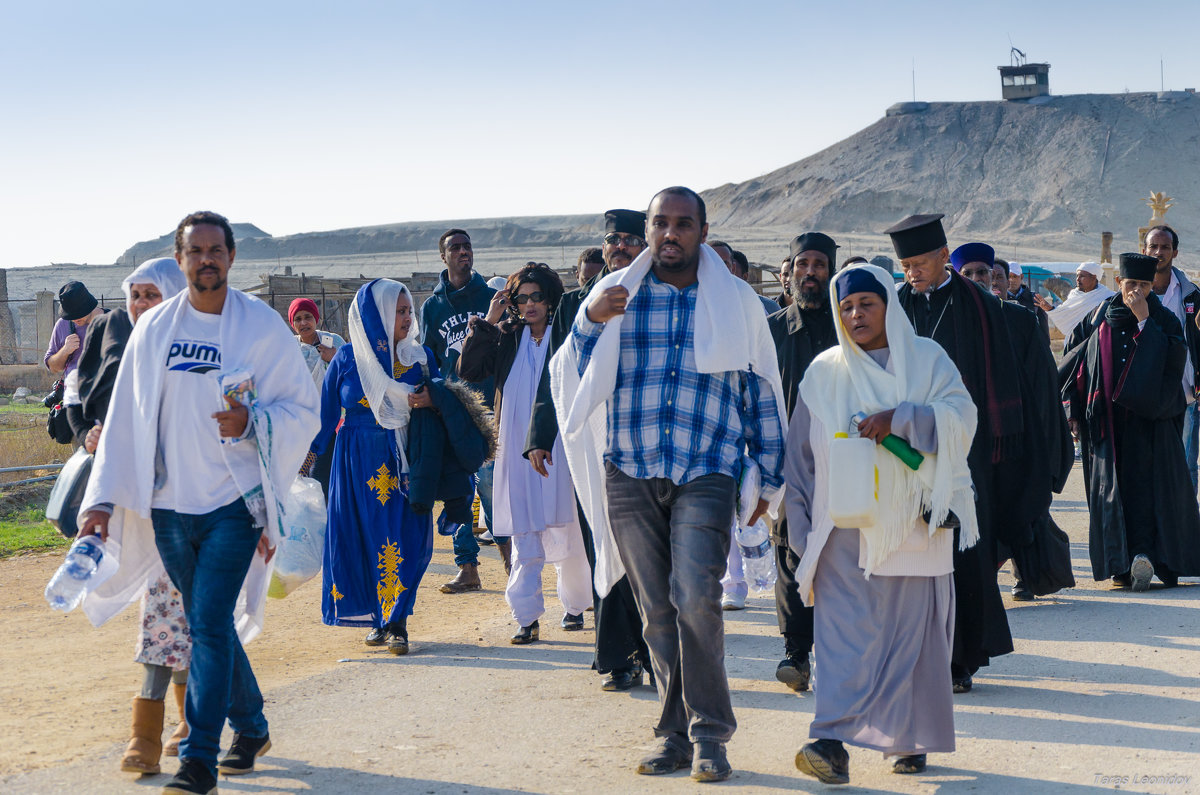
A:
<point x="666" y="419"/>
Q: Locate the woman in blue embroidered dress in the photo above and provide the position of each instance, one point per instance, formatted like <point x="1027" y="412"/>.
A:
<point x="376" y="548"/>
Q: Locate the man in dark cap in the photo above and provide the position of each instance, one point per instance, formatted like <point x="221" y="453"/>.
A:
<point x="801" y="331"/>
<point x="621" y="652"/>
<point x="944" y="306"/>
<point x="1028" y="483"/>
<point x="78" y="307"/>
<point x="1122" y="374"/>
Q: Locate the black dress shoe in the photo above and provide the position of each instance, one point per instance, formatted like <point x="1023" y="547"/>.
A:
<point x="710" y="763"/>
<point x="397" y="644"/>
<point x="1021" y="593"/>
<point x="1122" y="580"/>
<point x="909" y="764"/>
<point x="795" y="672"/>
<point x="669" y="756"/>
<point x="376" y="637"/>
<point x="193" y="778"/>
<point x="623" y="679"/>
<point x="572" y="623"/>
<point x="242" y="753"/>
<point x="963" y="684"/>
<point x="527" y="635"/>
<point x="826" y="761"/>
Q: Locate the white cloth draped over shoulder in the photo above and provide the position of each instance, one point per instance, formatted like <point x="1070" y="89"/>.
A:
<point x="387" y="397"/>
<point x="844" y="380"/>
<point x="254" y="338"/>
<point x="1078" y="304"/>
<point x="725" y="340"/>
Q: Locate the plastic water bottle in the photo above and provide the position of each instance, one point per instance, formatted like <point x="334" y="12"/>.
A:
<point x="758" y="564"/>
<point x="66" y="587"/>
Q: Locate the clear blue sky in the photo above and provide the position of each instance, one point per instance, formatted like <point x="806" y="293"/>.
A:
<point x="119" y="118"/>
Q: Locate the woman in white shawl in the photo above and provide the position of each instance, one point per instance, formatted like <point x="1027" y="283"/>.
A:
<point x="164" y="646"/>
<point x="535" y="508"/>
<point x="376" y="548"/>
<point x="883" y="594"/>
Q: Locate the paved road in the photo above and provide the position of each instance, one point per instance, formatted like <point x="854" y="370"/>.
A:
<point x="1101" y="694"/>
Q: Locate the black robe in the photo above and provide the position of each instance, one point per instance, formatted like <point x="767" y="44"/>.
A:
<point x="1129" y="403"/>
<point x="103" y="345"/>
<point x="969" y="325"/>
<point x="1027" y="484"/>
<point x="799" y="336"/>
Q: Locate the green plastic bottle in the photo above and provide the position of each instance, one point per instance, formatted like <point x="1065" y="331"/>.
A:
<point x="895" y="445"/>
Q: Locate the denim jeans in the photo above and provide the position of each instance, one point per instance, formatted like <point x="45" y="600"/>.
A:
<point x="207" y="557"/>
<point x="674" y="541"/>
<point x="466" y="548"/>
<point x="1191" y="439"/>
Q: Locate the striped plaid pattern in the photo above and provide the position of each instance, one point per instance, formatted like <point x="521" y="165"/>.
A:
<point x="666" y="420"/>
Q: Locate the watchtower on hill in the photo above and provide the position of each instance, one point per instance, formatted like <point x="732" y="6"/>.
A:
<point x="1021" y="80"/>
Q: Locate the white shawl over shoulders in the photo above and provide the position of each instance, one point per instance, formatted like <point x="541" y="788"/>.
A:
<point x="253" y="338"/>
<point x="725" y="340"/>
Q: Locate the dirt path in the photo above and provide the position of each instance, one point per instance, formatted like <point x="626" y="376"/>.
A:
<point x="1101" y="691"/>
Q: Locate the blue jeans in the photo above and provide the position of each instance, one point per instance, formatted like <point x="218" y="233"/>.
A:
<point x="674" y="541"/>
<point x="207" y="557"/>
<point x="1191" y="439"/>
<point x="466" y="548"/>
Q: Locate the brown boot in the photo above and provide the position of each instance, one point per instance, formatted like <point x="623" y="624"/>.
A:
<point x="145" y="743"/>
<point x="181" y="731"/>
<point x="506" y="556"/>
<point x="466" y="580"/>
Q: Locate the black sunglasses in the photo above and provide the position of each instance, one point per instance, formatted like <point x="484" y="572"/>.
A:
<point x="526" y="297"/>
<point x="613" y="239"/>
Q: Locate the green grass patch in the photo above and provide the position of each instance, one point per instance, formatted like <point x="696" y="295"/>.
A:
<point x="23" y="527"/>
<point x="13" y="408"/>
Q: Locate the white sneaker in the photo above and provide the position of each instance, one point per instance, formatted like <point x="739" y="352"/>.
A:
<point x="733" y="601"/>
<point x="1140" y="573"/>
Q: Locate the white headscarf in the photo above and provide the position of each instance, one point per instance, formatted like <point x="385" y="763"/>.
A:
<point x="387" y="398"/>
<point x="163" y="273"/>
<point x="845" y="379"/>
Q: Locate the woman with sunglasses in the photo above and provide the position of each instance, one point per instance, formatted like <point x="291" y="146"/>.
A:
<point x="537" y="510"/>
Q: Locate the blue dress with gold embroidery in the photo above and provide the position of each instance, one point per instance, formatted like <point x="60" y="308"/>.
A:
<point x="376" y="548"/>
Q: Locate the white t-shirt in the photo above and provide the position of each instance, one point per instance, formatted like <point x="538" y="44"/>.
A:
<point x="198" y="478"/>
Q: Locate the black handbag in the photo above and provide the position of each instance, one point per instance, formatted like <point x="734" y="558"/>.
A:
<point x="56" y="421"/>
<point x="66" y="498"/>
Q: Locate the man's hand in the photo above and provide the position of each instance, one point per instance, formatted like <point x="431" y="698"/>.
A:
<point x="266" y="551"/>
<point x="1042" y="303"/>
<point x="540" y="459"/>
<point x="877" y="427"/>
<point x="95" y="523"/>
<point x="70" y="344"/>
<point x="420" y="399"/>
<point x="497" y="307"/>
<point x="1136" y="302"/>
<point x="759" y="510"/>
<point x="607" y="305"/>
<point x="92" y="440"/>
<point x="232" y="421"/>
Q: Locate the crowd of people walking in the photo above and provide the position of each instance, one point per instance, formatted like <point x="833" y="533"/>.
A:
<point x="622" y="431"/>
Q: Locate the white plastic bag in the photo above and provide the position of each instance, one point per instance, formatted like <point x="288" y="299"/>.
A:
<point x="302" y="546"/>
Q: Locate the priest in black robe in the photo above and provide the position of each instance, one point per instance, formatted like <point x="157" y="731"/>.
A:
<point x="621" y="652"/>
<point x="1026" y="485"/>
<point x="960" y="317"/>
<point x="801" y="330"/>
<point x="1122" y="374"/>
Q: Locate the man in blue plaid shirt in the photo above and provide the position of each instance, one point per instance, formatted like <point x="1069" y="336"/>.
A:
<point x="676" y="439"/>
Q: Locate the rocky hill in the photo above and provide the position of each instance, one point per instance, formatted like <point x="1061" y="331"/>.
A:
<point x="1054" y="171"/>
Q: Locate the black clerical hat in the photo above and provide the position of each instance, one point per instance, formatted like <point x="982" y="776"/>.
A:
<point x="814" y="241"/>
<point x="1138" y="266"/>
<point x="75" y="300"/>
<point x="917" y="234"/>
<point x="625" y="222"/>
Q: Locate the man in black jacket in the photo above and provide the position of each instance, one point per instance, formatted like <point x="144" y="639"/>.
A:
<point x="1179" y="295"/>
<point x="460" y="294"/>
<point x="620" y="650"/>
<point x="801" y="331"/>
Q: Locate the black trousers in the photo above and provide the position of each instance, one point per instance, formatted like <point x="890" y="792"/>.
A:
<point x="619" y="643"/>
<point x="795" y="620"/>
